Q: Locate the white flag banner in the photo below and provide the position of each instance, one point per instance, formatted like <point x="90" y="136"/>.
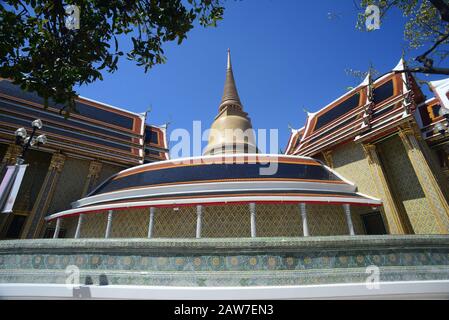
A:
<point x="5" y="186"/>
<point x="16" y="177"/>
<point x="8" y="175"/>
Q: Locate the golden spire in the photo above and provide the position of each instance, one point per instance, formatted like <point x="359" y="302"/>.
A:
<point x="231" y="132"/>
<point x="230" y="94"/>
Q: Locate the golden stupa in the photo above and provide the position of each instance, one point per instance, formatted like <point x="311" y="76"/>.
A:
<point x="231" y="131"/>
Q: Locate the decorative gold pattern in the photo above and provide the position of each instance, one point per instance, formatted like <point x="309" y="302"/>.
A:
<point x="437" y="202"/>
<point x="69" y="224"/>
<point x="12" y="152"/>
<point x="407" y="187"/>
<point x="130" y="223"/>
<point x="57" y="161"/>
<point x="92" y="177"/>
<point x="172" y="223"/>
<point x="94" y="169"/>
<point x="70" y="184"/>
<point x="437" y="166"/>
<point x="350" y="161"/>
<point x="94" y="225"/>
<point x="35" y="222"/>
<point x="326" y="220"/>
<point x="327" y="155"/>
<point x="278" y="221"/>
<point x="231" y="221"/>
<point x="396" y="220"/>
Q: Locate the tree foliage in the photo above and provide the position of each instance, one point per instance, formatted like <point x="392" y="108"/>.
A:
<point x="41" y="54"/>
<point x="427" y="27"/>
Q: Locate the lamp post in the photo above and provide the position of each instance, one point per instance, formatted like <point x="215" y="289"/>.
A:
<point x="442" y="127"/>
<point x="25" y="141"/>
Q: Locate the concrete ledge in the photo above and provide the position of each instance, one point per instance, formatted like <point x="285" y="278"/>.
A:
<point x="226" y="278"/>
<point x="387" y="290"/>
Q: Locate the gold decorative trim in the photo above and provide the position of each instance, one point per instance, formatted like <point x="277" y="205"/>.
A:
<point x="11" y="154"/>
<point x="33" y="228"/>
<point x="327" y="155"/>
<point x="410" y="129"/>
<point x="57" y="162"/>
<point x="94" y="169"/>
<point x="92" y="177"/>
<point x="429" y="183"/>
<point x="390" y="211"/>
<point x="369" y="149"/>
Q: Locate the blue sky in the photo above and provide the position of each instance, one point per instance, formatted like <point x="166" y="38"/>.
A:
<point x="287" y="56"/>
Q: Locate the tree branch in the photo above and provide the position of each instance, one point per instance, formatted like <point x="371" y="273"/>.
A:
<point x="425" y="70"/>
<point x="24" y="8"/>
<point x="435" y="45"/>
<point x="442" y="7"/>
<point x="428" y="68"/>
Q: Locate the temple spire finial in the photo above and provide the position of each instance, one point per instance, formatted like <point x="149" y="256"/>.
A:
<point x="230" y="94"/>
<point x="225" y="136"/>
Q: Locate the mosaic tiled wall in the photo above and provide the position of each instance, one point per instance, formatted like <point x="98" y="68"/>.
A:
<point x="69" y="224"/>
<point x="406" y="186"/>
<point x="226" y="222"/>
<point x="94" y="225"/>
<point x="76" y="171"/>
<point x="226" y="262"/>
<point x="70" y="184"/>
<point x="437" y="169"/>
<point x="231" y="221"/>
<point x="170" y="223"/>
<point x="331" y="220"/>
<point x="273" y="221"/>
<point x="350" y="161"/>
<point x="130" y="223"/>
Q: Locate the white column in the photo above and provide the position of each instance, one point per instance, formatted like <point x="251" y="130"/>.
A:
<point x="347" y="209"/>
<point x="151" y="223"/>
<point x="252" y="210"/>
<point x="199" y="216"/>
<point x="78" y="226"/>
<point x="57" y="228"/>
<point x="305" y="226"/>
<point x="107" y="234"/>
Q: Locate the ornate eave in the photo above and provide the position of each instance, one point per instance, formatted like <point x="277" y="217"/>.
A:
<point x="96" y="130"/>
<point x="361" y="120"/>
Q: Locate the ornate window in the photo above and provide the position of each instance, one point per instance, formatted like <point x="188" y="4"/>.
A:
<point x="337" y="111"/>
<point x="383" y="92"/>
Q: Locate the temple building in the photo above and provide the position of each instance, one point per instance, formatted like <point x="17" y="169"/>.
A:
<point x="223" y="194"/>
<point x="393" y="143"/>
<point x="95" y="142"/>
<point x="356" y="208"/>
